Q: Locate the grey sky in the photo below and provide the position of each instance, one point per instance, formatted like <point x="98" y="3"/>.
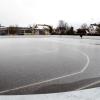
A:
<point x="26" y="12"/>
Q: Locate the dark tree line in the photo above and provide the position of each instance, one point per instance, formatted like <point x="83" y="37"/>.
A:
<point x="62" y="29"/>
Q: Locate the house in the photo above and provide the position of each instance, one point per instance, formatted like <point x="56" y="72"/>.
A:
<point x="41" y="29"/>
<point x="3" y="30"/>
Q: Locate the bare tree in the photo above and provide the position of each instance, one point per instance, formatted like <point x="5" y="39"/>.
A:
<point x="71" y="31"/>
<point x="84" y="26"/>
<point x="13" y="30"/>
<point x="62" y="27"/>
<point x="98" y="30"/>
<point x="61" y="23"/>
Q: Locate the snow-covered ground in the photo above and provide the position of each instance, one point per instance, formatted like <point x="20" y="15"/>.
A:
<point x="89" y="94"/>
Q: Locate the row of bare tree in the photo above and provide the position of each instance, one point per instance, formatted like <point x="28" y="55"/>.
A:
<point x="62" y="29"/>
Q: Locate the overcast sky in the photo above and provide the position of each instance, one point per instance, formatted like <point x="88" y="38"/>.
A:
<point x="28" y="12"/>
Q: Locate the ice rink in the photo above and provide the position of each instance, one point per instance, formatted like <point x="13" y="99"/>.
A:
<point x="48" y="64"/>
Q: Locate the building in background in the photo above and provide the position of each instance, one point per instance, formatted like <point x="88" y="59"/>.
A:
<point x="3" y="30"/>
<point x="42" y="29"/>
<point x="14" y="30"/>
